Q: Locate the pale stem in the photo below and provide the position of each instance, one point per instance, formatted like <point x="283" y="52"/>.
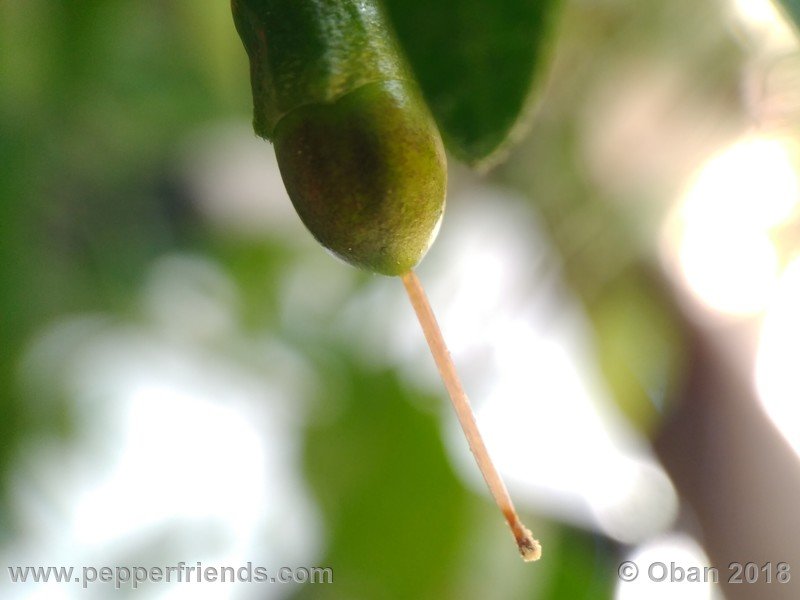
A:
<point x="529" y="548"/>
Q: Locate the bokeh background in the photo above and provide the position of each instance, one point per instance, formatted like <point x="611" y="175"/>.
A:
<point x="185" y="375"/>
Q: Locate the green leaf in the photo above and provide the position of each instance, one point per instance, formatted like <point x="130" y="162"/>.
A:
<point x="478" y="62"/>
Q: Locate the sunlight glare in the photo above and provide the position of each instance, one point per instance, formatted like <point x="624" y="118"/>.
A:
<point x="725" y="252"/>
<point x="776" y="365"/>
<point x="752" y="183"/>
<point x="169" y="466"/>
<point x="761" y="12"/>
<point x="765" y="20"/>
<point x="730" y="271"/>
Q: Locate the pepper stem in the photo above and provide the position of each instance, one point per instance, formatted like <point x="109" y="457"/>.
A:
<point x="529" y="548"/>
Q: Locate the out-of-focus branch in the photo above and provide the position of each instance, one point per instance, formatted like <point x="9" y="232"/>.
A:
<point x="734" y="469"/>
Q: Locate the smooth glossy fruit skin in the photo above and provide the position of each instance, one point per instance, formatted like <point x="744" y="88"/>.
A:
<point x="359" y="152"/>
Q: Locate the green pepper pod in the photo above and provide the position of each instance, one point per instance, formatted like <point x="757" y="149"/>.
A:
<point x="358" y="150"/>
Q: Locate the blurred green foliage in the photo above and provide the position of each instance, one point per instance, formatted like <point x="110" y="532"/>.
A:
<point x="404" y="538"/>
<point x="96" y="96"/>
<point x="792" y="8"/>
